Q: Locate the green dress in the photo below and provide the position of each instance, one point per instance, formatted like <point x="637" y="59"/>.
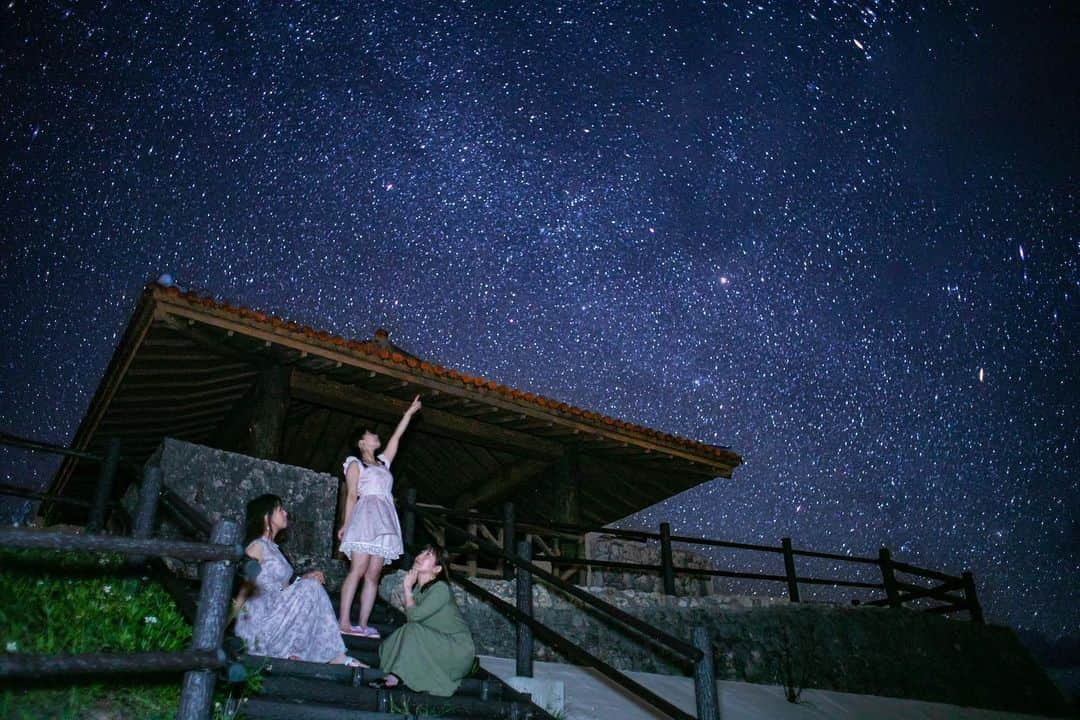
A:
<point x="434" y="649"/>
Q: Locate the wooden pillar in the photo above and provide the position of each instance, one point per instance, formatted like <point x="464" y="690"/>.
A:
<point x="705" y="691"/>
<point x="149" y="494"/>
<point x="269" y="404"/>
<point x="523" y="592"/>
<point x="789" y="569"/>
<point x="566" y="502"/>
<point x="973" y="606"/>
<point x="99" y="511"/>
<point x="509" y="539"/>
<point x="667" y="563"/>
<point x="197" y="693"/>
<point x="408" y="527"/>
<point x="888" y="576"/>
<point x="567" y="489"/>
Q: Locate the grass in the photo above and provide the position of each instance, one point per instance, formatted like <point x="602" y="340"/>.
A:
<point x="66" y="602"/>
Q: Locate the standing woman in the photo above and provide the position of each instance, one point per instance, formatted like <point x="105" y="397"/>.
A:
<point x="371" y="534"/>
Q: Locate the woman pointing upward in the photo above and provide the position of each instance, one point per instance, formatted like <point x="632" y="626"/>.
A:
<point x="371" y="533"/>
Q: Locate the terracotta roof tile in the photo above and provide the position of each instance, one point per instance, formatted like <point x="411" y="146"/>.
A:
<point x="371" y="348"/>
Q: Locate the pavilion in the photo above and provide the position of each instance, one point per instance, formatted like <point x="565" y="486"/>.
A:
<point x="197" y="369"/>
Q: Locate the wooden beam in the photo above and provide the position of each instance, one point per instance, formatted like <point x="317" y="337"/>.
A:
<point x="357" y="401"/>
<point x="206" y="383"/>
<point x="501" y="484"/>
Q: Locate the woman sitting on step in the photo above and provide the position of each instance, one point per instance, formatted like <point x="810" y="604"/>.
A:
<point x="433" y="651"/>
<point x="278" y="619"/>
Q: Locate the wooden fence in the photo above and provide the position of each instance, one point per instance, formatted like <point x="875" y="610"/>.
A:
<point x="218" y="548"/>
<point x="954" y="593"/>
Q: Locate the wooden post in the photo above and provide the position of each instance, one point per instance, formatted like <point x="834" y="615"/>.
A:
<point x="214" y="595"/>
<point x="269" y="405"/>
<point x="789" y="570"/>
<point x="705" y="691"/>
<point x="104" y="487"/>
<point x="973" y="606"/>
<point x="470" y="557"/>
<point x="566" y="496"/>
<point x="508" y="538"/>
<point x="667" y="562"/>
<point x="524" y="604"/>
<point x="888" y="575"/>
<point x="149" y="493"/>
<point x="408" y="527"/>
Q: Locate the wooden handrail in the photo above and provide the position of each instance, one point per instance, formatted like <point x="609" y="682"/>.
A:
<point x="32" y="538"/>
<point x="554" y="638"/>
<point x="192" y="521"/>
<point x="16" y="665"/>
<point x="654" y="634"/>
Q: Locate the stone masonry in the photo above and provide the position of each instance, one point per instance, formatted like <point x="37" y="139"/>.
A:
<point x="221" y="483"/>
<point x="877" y="651"/>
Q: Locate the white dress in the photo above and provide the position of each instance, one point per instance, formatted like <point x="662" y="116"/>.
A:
<point x="373" y="525"/>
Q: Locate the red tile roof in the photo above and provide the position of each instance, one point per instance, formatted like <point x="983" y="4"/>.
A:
<point x="376" y="349"/>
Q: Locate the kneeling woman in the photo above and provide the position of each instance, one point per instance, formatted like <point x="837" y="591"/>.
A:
<point x="277" y="619"/>
<point x="433" y="651"/>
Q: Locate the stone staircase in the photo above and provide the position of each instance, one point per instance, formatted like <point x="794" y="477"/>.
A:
<point x="292" y="690"/>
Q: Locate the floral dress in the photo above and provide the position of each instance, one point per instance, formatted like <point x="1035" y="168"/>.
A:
<point x="282" y="620"/>
<point x="373" y="525"/>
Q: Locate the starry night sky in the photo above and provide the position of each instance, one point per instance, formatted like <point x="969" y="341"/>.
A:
<point x="839" y="237"/>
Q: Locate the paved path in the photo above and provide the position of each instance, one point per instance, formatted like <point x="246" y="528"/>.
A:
<point x="590" y="696"/>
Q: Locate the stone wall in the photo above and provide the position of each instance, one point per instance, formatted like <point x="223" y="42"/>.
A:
<point x="877" y="651"/>
<point x="609" y="547"/>
<point x="221" y="483"/>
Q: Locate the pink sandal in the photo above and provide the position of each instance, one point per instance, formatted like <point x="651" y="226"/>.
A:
<point x="354" y="630"/>
<point x="370" y="632"/>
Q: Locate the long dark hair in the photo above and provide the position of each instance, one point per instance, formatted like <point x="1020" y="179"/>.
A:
<point x="257" y="515"/>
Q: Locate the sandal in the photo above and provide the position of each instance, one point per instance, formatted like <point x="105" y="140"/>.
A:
<point x="354" y="630"/>
<point x="370" y="632"/>
<point x="380" y="683"/>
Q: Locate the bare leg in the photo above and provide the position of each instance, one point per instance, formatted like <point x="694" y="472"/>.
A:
<point x="359" y="564"/>
<point x="371" y="588"/>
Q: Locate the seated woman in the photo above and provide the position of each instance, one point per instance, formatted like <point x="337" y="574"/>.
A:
<point x="433" y="651"/>
<point x="277" y="619"/>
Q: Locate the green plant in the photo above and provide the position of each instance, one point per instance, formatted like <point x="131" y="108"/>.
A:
<point x="65" y="602"/>
<point x="401" y="706"/>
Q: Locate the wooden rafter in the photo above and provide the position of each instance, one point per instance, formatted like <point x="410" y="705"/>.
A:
<point x="355" y="400"/>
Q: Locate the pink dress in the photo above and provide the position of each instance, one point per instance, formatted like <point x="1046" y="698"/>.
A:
<point x="373" y="526"/>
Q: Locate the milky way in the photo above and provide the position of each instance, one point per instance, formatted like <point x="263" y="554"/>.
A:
<point x="838" y="237"/>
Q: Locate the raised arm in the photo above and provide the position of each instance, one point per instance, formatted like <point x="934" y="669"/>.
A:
<point x="392" y="446"/>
